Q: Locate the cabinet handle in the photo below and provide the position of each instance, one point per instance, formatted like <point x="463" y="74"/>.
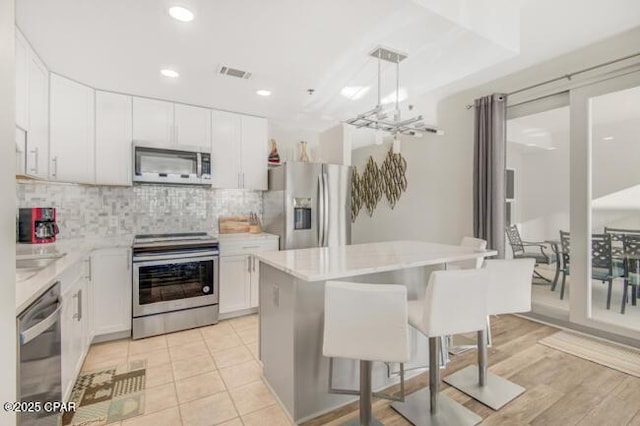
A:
<point x="90" y="271"/>
<point x="175" y="133"/>
<point x="128" y="260"/>
<point x="34" y="151"/>
<point x="249" y="247"/>
<point x="79" y="304"/>
<point x="243" y="179"/>
<point x="78" y="297"/>
<point x="54" y="160"/>
<point x="254" y="263"/>
<point x="249" y="264"/>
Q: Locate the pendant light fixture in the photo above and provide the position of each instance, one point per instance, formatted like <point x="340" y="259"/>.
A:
<point x="391" y="121"/>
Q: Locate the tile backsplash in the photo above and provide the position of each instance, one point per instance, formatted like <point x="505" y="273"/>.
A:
<point x="105" y="210"/>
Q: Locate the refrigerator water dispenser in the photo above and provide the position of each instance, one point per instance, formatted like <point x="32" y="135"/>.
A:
<point x="301" y="213"/>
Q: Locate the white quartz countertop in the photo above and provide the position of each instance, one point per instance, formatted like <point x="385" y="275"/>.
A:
<point x="326" y="263"/>
<point x="30" y="286"/>
<point x="242" y="236"/>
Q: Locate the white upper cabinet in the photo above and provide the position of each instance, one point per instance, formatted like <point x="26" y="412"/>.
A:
<point x="38" y="127"/>
<point x="192" y="126"/>
<point x="113" y="139"/>
<point x="226" y="150"/>
<point x="255" y="152"/>
<point x="72" y="141"/>
<point x="152" y="120"/>
<point x="22" y="58"/>
<point x="240" y="151"/>
<point x="32" y="107"/>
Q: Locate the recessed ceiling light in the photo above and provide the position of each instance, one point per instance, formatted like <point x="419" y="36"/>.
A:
<point x="180" y="13"/>
<point x="263" y="92"/>
<point x="608" y="138"/>
<point x="169" y="73"/>
<point x="354" y="92"/>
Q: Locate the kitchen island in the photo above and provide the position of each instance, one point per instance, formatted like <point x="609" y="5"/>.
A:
<point x="292" y="309"/>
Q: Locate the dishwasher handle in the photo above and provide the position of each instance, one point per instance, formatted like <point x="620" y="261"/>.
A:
<point x="35" y="331"/>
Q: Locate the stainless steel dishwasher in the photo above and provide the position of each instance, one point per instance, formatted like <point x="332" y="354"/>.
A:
<point x="39" y="356"/>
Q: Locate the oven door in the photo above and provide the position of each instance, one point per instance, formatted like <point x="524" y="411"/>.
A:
<point x="164" y="284"/>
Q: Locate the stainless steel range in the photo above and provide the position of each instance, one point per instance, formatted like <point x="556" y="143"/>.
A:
<point x="175" y="282"/>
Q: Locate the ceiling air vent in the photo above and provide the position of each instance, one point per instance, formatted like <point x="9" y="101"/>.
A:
<point x="233" y="72"/>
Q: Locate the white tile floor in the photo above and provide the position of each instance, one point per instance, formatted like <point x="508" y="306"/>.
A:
<point x="201" y="377"/>
<point x="631" y="319"/>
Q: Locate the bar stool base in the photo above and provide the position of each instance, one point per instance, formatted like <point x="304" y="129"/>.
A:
<point x="356" y="422"/>
<point x="417" y="410"/>
<point x="496" y="393"/>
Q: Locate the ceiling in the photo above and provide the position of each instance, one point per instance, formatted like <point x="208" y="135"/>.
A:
<point x="291" y="46"/>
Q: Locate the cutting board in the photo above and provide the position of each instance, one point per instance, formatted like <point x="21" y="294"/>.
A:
<point x="233" y="224"/>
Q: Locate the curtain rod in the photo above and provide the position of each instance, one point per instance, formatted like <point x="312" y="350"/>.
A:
<point x="570" y="75"/>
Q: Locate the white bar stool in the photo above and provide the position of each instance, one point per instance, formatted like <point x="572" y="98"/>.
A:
<point x="366" y="322"/>
<point x="509" y="293"/>
<point x="455" y="302"/>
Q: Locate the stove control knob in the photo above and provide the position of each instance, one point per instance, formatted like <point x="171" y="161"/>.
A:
<point x="205" y="289"/>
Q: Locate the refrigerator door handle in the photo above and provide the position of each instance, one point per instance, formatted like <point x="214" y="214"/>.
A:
<point x="325" y="214"/>
<point x="321" y="201"/>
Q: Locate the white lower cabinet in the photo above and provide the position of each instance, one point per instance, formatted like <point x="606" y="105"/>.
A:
<point x="75" y="325"/>
<point x="240" y="273"/>
<point x="235" y="284"/>
<point x="111" y="279"/>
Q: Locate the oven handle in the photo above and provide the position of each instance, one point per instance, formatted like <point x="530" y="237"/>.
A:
<point x="165" y="256"/>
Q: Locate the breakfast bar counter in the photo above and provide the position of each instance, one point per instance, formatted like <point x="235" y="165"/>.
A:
<point x="292" y="309"/>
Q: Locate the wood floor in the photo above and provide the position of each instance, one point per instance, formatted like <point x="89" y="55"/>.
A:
<point x="561" y="389"/>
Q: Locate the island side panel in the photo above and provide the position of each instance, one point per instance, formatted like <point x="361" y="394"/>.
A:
<point x="312" y="368"/>
<point x="277" y="301"/>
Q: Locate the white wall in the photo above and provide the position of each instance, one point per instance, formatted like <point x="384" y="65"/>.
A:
<point x="334" y="145"/>
<point x="438" y="203"/>
<point x="7" y="210"/>
<point x="288" y="139"/>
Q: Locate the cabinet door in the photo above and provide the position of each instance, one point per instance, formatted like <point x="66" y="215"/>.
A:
<point x="255" y="153"/>
<point x="152" y="120"/>
<point x="255" y="282"/>
<point x="113" y="139"/>
<point x="192" y="126"/>
<point x="72" y="339"/>
<point x="111" y="276"/>
<point x="226" y="149"/>
<point x="72" y="131"/>
<point x="235" y="282"/>
<point x="38" y="107"/>
<point x="22" y="58"/>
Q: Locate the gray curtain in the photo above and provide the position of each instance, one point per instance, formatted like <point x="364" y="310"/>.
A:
<point x="489" y="163"/>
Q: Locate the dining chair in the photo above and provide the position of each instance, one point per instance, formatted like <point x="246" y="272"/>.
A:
<point x="617" y="242"/>
<point x="631" y="248"/>
<point x="602" y="265"/>
<point x="519" y="249"/>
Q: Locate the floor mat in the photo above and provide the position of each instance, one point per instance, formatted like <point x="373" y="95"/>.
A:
<point x="617" y="357"/>
<point x="108" y="395"/>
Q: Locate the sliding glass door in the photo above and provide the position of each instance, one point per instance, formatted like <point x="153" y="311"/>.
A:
<point x="605" y="205"/>
<point x="538" y="150"/>
<point x="573" y="177"/>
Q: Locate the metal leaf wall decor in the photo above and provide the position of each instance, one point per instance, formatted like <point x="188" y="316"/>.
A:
<point x="389" y="180"/>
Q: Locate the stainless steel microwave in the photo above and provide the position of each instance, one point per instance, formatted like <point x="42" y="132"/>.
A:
<point x="157" y="163"/>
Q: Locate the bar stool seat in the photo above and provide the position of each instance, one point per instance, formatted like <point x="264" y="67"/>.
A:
<point x="509" y="293"/>
<point x="365" y="322"/>
<point x="455" y="302"/>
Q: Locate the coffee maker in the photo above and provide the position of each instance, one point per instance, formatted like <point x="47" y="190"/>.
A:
<point x="37" y="225"/>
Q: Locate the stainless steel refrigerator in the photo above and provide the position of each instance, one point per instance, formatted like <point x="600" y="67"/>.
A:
<point x="309" y="205"/>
